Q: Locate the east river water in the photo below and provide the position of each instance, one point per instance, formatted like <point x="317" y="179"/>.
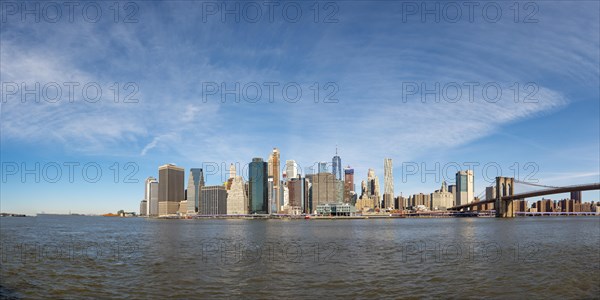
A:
<point x="101" y="257"/>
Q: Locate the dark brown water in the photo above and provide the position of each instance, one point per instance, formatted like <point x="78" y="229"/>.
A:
<point x="96" y="257"/>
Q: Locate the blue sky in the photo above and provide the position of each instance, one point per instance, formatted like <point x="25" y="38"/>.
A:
<point x="368" y="54"/>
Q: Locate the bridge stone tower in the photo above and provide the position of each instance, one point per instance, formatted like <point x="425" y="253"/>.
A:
<point x="505" y="186"/>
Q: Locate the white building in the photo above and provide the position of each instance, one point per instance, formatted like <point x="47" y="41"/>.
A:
<point x="151" y="196"/>
<point x="442" y="199"/>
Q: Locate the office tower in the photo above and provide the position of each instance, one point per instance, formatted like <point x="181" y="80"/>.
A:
<point x="274" y="169"/>
<point x="143" y="207"/>
<point x="295" y="192"/>
<point x="464" y="187"/>
<point x="323" y="189"/>
<point x="576" y="196"/>
<point x="258" y="189"/>
<point x="373" y="187"/>
<point x="322" y="167"/>
<point x="237" y="199"/>
<point x="151" y="196"/>
<point x="291" y="169"/>
<point x="195" y="184"/>
<point x="213" y="200"/>
<point x="336" y="164"/>
<point x="348" y="183"/>
<point x="170" y="189"/>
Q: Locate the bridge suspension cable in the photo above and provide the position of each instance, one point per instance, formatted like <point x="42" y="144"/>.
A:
<point x="538" y="185"/>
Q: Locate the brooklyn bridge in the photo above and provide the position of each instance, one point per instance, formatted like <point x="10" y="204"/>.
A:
<point x="505" y="195"/>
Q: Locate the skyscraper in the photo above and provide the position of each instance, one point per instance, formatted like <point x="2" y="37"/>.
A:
<point x="237" y="200"/>
<point x="258" y="193"/>
<point x="151" y="196"/>
<point x="388" y="177"/>
<point x="323" y="189"/>
<point x="274" y="169"/>
<point x="213" y="200"/>
<point x="464" y="187"/>
<point x="348" y="183"/>
<point x="336" y="164"/>
<point x="143" y="207"/>
<point x="170" y="189"/>
<point x="388" y="183"/>
<point x="195" y="184"/>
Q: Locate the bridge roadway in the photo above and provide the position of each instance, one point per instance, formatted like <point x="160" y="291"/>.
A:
<point x="564" y="189"/>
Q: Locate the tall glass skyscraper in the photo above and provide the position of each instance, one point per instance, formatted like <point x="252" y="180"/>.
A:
<point x="464" y="187"/>
<point x="258" y="189"/>
<point x="194" y="188"/>
<point x="336" y="162"/>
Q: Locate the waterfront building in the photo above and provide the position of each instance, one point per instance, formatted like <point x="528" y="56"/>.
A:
<point x="258" y="187"/>
<point x="464" y="187"/>
<point x="323" y="189"/>
<point x="296" y="197"/>
<point x="237" y="199"/>
<point x="170" y="189"/>
<point x="336" y="209"/>
<point x="143" y="207"/>
<point x="195" y="184"/>
<point x="151" y="196"/>
<point x="365" y="202"/>
<point x="213" y="200"/>
<point x="441" y="199"/>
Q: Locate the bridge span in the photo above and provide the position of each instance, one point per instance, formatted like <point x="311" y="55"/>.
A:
<point x="505" y="195"/>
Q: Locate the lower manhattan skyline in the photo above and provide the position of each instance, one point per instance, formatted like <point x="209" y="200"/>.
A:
<point x="546" y="114"/>
<point x="227" y="149"/>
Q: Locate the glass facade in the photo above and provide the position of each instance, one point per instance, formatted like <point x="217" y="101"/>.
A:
<point x="258" y="191"/>
<point x="463" y="183"/>
<point x="336" y="163"/>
